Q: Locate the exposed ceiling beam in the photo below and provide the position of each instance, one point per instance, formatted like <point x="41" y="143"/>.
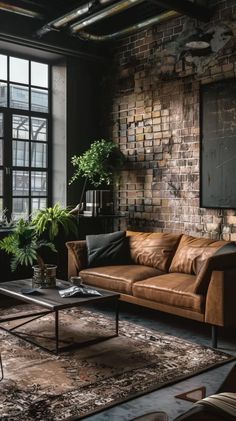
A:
<point x="186" y="7"/>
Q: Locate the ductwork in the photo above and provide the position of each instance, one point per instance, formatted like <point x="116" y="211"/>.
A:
<point x="19" y="10"/>
<point x="131" y="29"/>
<point x="104" y="14"/>
<point x="64" y="20"/>
<point x="107" y="12"/>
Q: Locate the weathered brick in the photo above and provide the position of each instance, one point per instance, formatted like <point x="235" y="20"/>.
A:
<point x="164" y="115"/>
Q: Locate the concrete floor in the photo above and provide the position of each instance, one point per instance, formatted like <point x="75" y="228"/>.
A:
<point x="164" y="399"/>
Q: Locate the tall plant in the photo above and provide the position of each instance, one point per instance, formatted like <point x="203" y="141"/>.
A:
<point x="99" y="163"/>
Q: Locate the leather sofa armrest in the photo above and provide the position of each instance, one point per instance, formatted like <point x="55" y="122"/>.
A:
<point x="221" y="298"/>
<point x="77" y="257"/>
<point x="216" y="262"/>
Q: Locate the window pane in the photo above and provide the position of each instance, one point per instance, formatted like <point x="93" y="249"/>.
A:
<point x="39" y="129"/>
<point x="20" y="183"/>
<point x="39" y="100"/>
<point x="1" y="182"/>
<point x="3" y="94"/>
<point x="3" y="67"/>
<point x="1" y="151"/>
<point x="38" y="183"/>
<point x="20" y="208"/>
<point x="39" y="74"/>
<point x="1" y="125"/>
<point x="38" y="203"/>
<point x="20" y="127"/>
<point x="39" y="155"/>
<point x="20" y="153"/>
<point x="19" y="70"/>
<point x="19" y="97"/>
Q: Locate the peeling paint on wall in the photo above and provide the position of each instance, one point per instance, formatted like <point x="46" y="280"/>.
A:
<point x="170" y="59"/>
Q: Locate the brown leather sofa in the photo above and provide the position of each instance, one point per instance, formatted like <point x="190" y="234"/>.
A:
<point x="177" y="274"/>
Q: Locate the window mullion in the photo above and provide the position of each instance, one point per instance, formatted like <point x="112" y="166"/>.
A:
<point x="7" y="159"/>
<point x="30" y="134"/>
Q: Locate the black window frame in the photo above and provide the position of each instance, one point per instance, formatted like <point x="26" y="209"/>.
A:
<point x="8" y="114"/>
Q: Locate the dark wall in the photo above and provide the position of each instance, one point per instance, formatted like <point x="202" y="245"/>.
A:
<point x="84" y="98"/>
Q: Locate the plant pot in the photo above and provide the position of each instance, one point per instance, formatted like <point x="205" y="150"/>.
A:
<point x="44" y="278"/>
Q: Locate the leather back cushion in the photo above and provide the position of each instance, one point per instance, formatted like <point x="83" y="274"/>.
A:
<point x="152" y="249"/>
<point x="192" y="253"/>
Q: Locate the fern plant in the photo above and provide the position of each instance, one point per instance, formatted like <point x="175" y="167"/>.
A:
<point x="51" y="219"/>
<point x="26" y="240"/>
<point x="24" y="244"/>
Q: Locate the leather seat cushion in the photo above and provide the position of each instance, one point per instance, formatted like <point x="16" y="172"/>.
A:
<point x="118" y="278"/>
<point x="192" y="253"/>
<point x="175" y="289"/>
<point x="155" y="249"/>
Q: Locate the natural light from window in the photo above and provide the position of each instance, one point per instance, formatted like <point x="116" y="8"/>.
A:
<point x="24" y="135"/>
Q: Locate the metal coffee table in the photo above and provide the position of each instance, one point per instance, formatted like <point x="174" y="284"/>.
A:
<point x="51" y="300"/>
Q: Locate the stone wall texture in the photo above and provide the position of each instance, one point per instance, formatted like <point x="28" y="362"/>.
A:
<point x="154" y="118"/>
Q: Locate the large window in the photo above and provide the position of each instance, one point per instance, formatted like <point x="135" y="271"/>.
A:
<point x="24" y="136"/>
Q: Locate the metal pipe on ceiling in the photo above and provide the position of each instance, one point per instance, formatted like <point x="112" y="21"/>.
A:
<point x="7" y="7"/>
<point x="105" y="1"/>
<point x="131" y="29"/>
<point x="105" y="13"/>
<point x="64" y="20"/>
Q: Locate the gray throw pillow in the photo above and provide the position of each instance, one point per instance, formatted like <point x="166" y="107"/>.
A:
<point x="107" y="249"/>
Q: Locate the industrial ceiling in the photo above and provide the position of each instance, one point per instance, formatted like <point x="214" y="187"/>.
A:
<point x="101" y="21"/>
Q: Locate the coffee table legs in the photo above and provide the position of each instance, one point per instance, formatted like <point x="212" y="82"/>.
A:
<point x="33" y="316"/>
<point x="57" y="331"/>
<point x="22" y="335"/>
<point x="117" y="317"/>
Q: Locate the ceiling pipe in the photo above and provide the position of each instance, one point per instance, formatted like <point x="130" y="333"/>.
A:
<point x="131" y="29"/>
<point x="103" y="14"/>
<point x="64" y="20"/>
<point x="105" y="1"/>
<point x="7" y="7"/>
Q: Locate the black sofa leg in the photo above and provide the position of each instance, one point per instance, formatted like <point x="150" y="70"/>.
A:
<point x="214" y="336"/>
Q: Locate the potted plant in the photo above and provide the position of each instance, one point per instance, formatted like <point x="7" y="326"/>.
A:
<point x="98" y="165"/>
<point x="26" y="242"/>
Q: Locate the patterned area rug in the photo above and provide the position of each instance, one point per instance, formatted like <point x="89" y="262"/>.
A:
<point x="41" y="386"/>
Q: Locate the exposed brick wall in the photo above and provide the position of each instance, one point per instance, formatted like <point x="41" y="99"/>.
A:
<point x="155" y="120"/>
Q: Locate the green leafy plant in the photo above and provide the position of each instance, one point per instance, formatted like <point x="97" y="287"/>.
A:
<point x="99" y="163"/>
<point x="26" y="240"/>
<point x="24" y="244"/>
<point x="51" y="219"/>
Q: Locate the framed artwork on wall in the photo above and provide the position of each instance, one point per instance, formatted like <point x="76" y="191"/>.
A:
<point x="218" y="145"/>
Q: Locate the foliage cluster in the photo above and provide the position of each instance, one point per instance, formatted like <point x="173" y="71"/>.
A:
<point x="99" y="163"/>
<point x="26" y="240"/>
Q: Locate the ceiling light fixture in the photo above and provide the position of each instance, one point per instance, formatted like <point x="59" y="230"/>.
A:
<point x="197" y="45"/>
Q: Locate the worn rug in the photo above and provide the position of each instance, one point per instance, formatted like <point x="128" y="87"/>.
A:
<point x="40" y="386"/>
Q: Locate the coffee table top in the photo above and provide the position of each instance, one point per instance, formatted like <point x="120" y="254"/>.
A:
<point x="50" y="297"/>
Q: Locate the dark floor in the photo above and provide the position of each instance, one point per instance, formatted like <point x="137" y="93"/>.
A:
<point x="164" y="399"/>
